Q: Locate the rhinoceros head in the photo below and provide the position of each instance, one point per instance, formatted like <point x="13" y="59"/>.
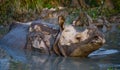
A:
<point x="78" y="41"/>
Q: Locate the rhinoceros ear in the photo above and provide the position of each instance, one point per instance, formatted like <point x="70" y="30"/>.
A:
<point x="61" y="21"/>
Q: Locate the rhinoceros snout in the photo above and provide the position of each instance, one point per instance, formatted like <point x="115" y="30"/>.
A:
<point x="98" y="39"/>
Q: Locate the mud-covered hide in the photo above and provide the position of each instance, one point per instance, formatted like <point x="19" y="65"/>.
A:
<point x="79" y="42"/>
<point x="41" y="36"/>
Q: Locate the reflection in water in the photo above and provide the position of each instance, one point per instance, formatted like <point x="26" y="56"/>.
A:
<point x="37" y="61"/>
<point x="60" y="63"/>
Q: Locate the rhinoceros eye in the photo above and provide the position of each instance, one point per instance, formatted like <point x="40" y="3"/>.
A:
<point x="95" y="37"/>
<point x="78" y="38"/>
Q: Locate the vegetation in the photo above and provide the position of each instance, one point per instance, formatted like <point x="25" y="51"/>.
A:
<point x="117" y="5"/>
<point x="26" y="10"/>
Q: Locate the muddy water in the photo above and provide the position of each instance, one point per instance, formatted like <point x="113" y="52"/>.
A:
<point x="106" y="58"/>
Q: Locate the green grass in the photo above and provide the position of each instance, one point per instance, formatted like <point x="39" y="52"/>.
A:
<point x="15" y="9"/>
<point x="3" y="31"/>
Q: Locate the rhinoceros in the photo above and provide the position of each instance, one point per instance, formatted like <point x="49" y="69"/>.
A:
<point x="64" y="40"/>
<point x="59" y="39"/>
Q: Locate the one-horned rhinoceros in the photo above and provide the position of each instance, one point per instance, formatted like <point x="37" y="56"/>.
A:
<point x="65" y="40"/>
